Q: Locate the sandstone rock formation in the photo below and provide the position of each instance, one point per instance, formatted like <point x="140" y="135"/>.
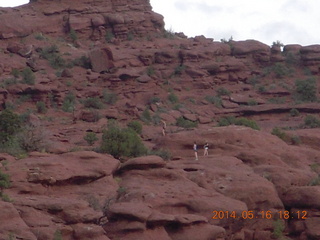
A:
<point x="73" y="67"/>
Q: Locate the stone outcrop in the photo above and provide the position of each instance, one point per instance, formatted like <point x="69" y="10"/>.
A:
<point x="96" y="61"/>
<point x="121" y="18"/>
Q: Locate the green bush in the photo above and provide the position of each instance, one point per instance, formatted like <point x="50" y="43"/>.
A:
<point x="185" y="123"/>
<point x="156" y="119"/>
<point x="51" y="54"/>
<point x="154" y="100"/>
<point x="217" y="101"/>
<point x="15" y="73"/>
<point x="150" y="71"/>
<point x="315" y="181"/>
<point x="31" y="138"/>
<point x="169" y="33"/>
<point x="146" y="116"/>
<point x="311" y="121"/>
<point x="69" y="102"/>
<point x="122" y="142"/>
<point x="252" y="102"/>
<point x="280" y="70"/>
<point x="83" y="61"/>
<point x="223" y="92"/>
<point x="109" y="97"/>
<point x="295" y="140"/>
<point x="93" y="102"/>
<point x="164" y="154"/>
<point x="4" y="181"/>
<point x="57" y="235"/>
<point x="91" y="138"/>
<point x="173" y="98"/>
<point x="109" y="36"/>
<point x="294" y="112"/>
<point x="73" y="35"/>
<point x="229" y="120"/>
<point x="306" y="90"/>
<point x="136" y="126"/>
<point x="278" y="228"/>
<point x="279" y="133"/>
<point x="10" y="124"/>
<point x="41" y="107"/>
<point x="27" y="76"/>
<point x="178" y="70"/>
<point x="247" y="122"/>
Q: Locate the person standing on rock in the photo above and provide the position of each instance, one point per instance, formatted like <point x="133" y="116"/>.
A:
<point x="164" y="126"/>
<point x="206" y="147"/>
<point x="195" y="149"/>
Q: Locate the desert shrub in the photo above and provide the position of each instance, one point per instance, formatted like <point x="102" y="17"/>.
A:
<point x="315" y="181"/>
<point x="57" y="235"/>
<point x="178" y="70"/>
<point x="164" y="154"/>
<point x="311" y="121"/>
<point x="217" y="101"/>
<point x="91" y="138"/>
<point x="306" y="90"/>
<point x="252" y="102"/>
<point x="4" y="181"/>
<point x="185" y="123"/>
<point x="10" y="124"/>
<point x="122" y="142"/>
<point x="32" y="138"/>
<point x="154" y="100"/>
<point x="136" y="126"/>
<point x="242" y="121"/>
<point x="93" y="102"/>
<point x="254" y="80"/>
<point x="226" y="121"/>
<point x="146" y="116"/>
<point x="223" y="92"/>
<point x="27" y="76"/>
<point x="291" y="58"/>
<point x="261" y="89"/>
<point x="109" y="97"/>
<point x="315" y="167"/>
<point x="15" y="73"/>
<point x="130" y="36"/>
<point x="51" y="53"/>
<point x="280" y="70"/>
<point x="39" y="36"/>
<point x="9" y="81"/>
<point x="83" y="61"/>
<point x="277" y="43"/>
<point x="295" y="140"/>
<point x="247" y="122"/>
<point x="279" y="133"/>
<point x="150" y="71"/>
<point x="277" y="100"/>
<point x="109" y="36"/>
<point x="278" y="228"/>
<point x="57" y="62"/>
<point x="169" y="33"/>
<point x="156" y="119"/>
<point x="73" y="35"/>
<point x="41" y="107"/>
<point x="69" y="102"/>
<point x="173" y="98"/>
<point x="294" y="112"/>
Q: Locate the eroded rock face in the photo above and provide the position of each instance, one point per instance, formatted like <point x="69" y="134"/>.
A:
<point x="116" y="53"/>
<point x="133" y="17"/>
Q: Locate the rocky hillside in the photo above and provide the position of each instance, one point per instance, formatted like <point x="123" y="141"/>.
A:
<point x="70" y="69"/>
